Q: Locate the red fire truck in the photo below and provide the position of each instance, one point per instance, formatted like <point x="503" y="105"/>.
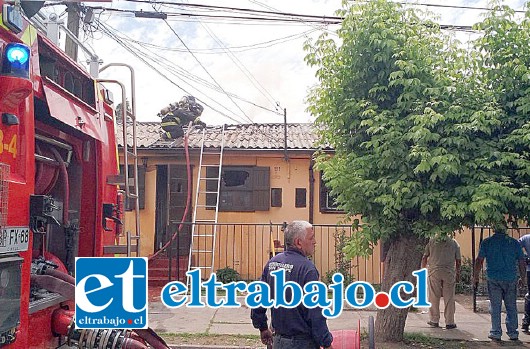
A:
<point x="58" y="190"/>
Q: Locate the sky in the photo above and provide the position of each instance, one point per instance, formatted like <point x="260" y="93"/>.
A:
<point x="240" y="71"/>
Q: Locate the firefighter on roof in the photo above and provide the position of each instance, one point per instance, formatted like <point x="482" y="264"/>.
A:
<point x="177" y="115"/>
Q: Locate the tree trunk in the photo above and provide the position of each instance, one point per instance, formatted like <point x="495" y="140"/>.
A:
<point x="403" y="257"/>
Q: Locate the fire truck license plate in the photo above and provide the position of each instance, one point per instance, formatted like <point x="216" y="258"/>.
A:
<point x="14" y="239"/>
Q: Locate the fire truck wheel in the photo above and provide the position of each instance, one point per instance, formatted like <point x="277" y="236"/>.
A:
<point x="371" y="333"/>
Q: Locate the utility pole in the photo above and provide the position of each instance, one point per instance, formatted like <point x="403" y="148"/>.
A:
<point x="70" y="47"/>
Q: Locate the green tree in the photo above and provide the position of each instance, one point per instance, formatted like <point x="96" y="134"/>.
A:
<point x="413" y="132"/>
<point x="119" y="107"/>
<point x="502" y="64"/>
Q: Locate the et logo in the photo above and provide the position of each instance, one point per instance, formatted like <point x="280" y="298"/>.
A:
<point x="110" y="293"/>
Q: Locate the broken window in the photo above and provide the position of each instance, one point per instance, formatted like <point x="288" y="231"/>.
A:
<point x="243" y="188"/>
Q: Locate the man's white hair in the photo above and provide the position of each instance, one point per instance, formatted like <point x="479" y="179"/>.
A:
<point x="296" y="229"/>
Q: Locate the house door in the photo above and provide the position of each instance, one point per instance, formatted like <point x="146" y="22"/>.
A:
<point x="171" y="196"/>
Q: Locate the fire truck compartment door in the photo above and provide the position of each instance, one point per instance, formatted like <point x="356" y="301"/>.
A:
<point x="10" y="282"/>
<point x="69" y="109"/>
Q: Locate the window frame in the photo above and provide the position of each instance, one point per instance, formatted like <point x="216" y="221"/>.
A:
<point x="300" y="197"/>
<point x="324" y="196"/>
<point x="254" y="194"/>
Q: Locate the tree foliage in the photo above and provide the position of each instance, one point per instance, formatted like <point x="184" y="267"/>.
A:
<point x="387" y="104"/>
<point x="502" y="66"/>
<point x="426" y="140"/>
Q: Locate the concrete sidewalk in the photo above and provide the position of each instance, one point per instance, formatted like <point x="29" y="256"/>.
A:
<point x="471" y="326"/>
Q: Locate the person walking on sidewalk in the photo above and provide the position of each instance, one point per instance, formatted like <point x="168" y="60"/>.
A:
<point x="525" y="243"/>
<point x="442" y="255"/>
<point x="300" y="327"/>
<point x="503" y="254"/>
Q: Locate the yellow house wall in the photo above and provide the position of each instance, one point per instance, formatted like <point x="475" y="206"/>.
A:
<point x="287" y="175"/>
<point x="464" y="240"/>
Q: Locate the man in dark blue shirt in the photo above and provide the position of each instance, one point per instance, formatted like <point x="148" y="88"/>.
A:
<point x="503" y="255"/>
<point x="300" y="327"/>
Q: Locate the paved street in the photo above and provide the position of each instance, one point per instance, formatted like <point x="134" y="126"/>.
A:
<point x="471" y="326"/>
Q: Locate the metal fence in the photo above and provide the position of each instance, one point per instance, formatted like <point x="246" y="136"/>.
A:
<point x="246" y="248"/>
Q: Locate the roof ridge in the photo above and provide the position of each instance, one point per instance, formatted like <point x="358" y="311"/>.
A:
<point x="248" y="124"/>
<point x="302" y="136"/>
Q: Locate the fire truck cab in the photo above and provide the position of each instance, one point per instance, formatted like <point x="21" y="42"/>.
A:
<point x="58" y="154"/>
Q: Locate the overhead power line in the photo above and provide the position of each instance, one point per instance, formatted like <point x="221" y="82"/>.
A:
<point x="217" y="50"/>
<point x="168" y="15"/>
<point x="274" y="10"/>
<point x="257" y="15"/>
<point x="170" y="66"/>
<point x="206" y="70"/>
<point x="138" y="53"/>
<point x="462" y="7"/>
<point x="122" y="43"/>
<point x="242" y="68"/>
<point x="164" y="15"/>
<point x="235" y="9"/>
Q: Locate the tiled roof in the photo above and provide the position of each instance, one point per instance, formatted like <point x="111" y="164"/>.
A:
<point x="241" y="136"/>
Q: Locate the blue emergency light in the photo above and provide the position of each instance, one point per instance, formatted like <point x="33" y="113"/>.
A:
<point x="16" y="60"/>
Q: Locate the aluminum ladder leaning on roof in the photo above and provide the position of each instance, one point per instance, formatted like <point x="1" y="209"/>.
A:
<point x="206" y="210"/>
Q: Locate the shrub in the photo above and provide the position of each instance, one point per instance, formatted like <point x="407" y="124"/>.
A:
<point x="465" y="285"/>
<point x="348" y="278"/>
<point x="227" y="275"/>
<point x="342" y="264"/>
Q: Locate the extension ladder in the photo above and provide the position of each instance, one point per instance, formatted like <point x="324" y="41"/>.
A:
<point x="206" y="210"/>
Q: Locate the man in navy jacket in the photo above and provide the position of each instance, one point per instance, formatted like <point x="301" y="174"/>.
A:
<point x="300" y="327"/>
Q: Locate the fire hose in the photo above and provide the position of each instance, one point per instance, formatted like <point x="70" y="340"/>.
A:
<point x="63" y="322"/>
<point x="60" y="275"/>
<point x="54" y="284"/>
